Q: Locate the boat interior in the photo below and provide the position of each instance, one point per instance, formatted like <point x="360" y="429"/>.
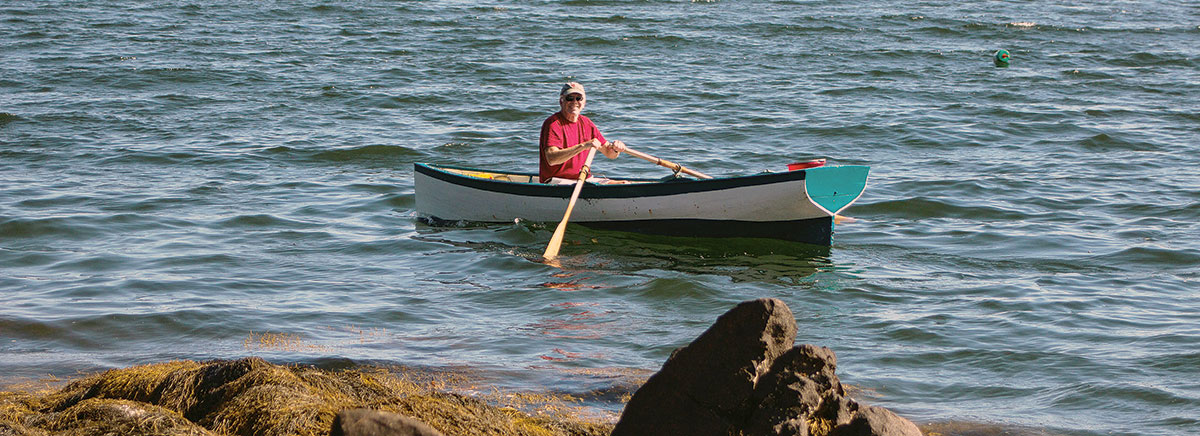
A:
<point x="531" y="178"/>
<point x="503" y="177"/>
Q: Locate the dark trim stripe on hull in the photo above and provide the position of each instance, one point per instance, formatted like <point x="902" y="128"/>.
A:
<point x="675" y="187"/>
<point x="816" y="231"/>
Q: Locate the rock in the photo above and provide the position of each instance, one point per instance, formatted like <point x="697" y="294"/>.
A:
<point x="835" y="410"/>
<point x="105" y="416"/>
<point x="706" y="387"/>
<point x="253" y="397"/>
<point x="365" y="422"/>
<point x="801" y="383"/>
<point x="209" y="386"/>
<point x="817" y="363"/>
<point x="804" y="363"/>
<point x="742" y="377"/>
<point x="876" y="421"/>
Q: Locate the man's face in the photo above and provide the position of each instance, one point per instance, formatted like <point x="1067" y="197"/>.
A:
<point x="572" y="104"/>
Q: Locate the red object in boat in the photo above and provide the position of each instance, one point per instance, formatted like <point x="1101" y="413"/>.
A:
<point x="802" y="165"/>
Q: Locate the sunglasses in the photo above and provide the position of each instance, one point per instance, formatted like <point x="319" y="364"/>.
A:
<point x="573" y="98"/>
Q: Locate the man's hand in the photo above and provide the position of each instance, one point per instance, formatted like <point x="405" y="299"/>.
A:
<point x="613" y="149"/>
<point x="617" y="146"/>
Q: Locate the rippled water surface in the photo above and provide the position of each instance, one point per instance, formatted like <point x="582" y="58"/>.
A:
<point x="182" y="179"/>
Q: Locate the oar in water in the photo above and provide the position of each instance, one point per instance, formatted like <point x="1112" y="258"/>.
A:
<point x="556" y="240"/>
<point x="666" y="163"/>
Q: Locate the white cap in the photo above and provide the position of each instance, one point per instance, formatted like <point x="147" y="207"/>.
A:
<point x="572" y="88"/>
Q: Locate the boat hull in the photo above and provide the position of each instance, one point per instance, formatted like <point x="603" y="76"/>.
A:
<point x="795" y="206"/>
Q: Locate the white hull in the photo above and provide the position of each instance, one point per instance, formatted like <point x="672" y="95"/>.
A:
<point x="455" y="194"/>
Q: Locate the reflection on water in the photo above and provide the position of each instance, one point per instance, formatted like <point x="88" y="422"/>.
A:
<point x="578" y="323"/>
<point x="741" y="259"/>
<point x="960" y="428"/>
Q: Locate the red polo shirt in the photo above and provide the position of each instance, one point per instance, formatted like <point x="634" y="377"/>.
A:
<point x="558" y="133"/>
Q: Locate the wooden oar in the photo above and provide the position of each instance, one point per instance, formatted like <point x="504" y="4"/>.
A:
<point x="666" y="163"/>
<point x="556" y="240"/>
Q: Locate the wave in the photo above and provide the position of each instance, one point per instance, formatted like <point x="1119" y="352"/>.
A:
<point x="386" y="154"/>
<point x="68" y="228"/>
<point x="329" y="8"/>
<point x="369" y="152"/>
<point x="1183" y="362"/>
<point x="264" y="221"/>
<point x="508" y="115"/>
<point x="613" y="41"/>
<point x="812" y="27"/>
<point x="849" y="91"/>
<point x="601" y="3"/>
<point x="1153" y="258"/>
<point x="404" y="100"/>
<point x="1114" y="142"/>
<point x="1113" y="395"/>
<point x="33" y="335"/>
<point x="149" y="157"/>
<point x="920" y="208"/>
<point x="1147" y="59"/>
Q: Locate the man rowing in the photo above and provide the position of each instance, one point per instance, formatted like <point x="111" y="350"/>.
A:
<point x="567" y="135"/>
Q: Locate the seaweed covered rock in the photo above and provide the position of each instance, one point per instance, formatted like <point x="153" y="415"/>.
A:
<point x="364" y="422"/>
<point x="125" y="417"/>
<point x="253" y="397"/>
<point x="742" y="376"/>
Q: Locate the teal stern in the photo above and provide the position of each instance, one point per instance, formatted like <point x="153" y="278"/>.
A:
<point x="834" y="188"/>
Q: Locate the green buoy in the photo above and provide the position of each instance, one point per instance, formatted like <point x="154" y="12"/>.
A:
<point x="1000" y="58"/>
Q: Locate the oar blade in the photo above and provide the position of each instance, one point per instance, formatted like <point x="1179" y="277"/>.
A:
<point x="561" y="231"/>
<point x="555" y="241"/>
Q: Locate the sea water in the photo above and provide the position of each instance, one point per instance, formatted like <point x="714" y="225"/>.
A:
<point x="186" y="179"/>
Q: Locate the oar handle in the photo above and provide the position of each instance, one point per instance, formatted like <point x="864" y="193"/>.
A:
<point x="666" y="163"/>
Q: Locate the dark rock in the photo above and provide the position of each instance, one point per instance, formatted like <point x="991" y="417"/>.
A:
<point x="816" y="363"/>
<point x="791" y="427"/>
<point x="707" y="386"/>
<point x="835" y="410"/>
<point x="807" y="370"/>
<point x="365" y="422"/>
<point x="876" y="421"/>
<point x="782" y="397"/>
<point x="741" y="377"/>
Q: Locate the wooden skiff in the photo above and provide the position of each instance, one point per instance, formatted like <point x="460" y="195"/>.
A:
<point x="794" y="205"/>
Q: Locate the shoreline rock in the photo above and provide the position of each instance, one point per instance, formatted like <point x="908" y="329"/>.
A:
<point x="250" y="396"/>
<point x="366" y="422"/>
<point x="743" y="376"/>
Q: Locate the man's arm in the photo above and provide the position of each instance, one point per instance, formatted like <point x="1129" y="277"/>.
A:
<point x="556" y="156"/>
